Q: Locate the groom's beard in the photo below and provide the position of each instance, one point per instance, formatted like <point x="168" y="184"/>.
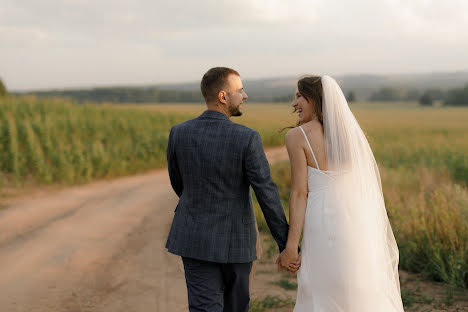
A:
<point x="234" y="110"/>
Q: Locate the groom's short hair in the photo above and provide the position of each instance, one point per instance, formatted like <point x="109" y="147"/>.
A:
<point x="214" y="80"/>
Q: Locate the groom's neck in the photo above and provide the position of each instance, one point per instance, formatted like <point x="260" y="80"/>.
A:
<point x="217" y="108"/>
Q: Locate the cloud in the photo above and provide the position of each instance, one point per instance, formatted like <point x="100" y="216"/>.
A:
<point x="82" y="42"/>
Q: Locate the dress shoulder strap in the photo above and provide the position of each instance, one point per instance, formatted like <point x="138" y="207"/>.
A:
<point x="310" y="147"/>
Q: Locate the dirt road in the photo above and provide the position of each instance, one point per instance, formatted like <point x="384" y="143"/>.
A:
<point x="98" y="247"/>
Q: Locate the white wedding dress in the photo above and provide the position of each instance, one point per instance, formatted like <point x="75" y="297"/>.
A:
<point x="349" y="254"/>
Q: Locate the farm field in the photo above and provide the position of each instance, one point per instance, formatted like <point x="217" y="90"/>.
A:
<point x="53" y="141"/>
<point x="421" y="152"/>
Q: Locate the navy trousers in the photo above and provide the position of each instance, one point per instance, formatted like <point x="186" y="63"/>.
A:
<point x="217" y="287"/>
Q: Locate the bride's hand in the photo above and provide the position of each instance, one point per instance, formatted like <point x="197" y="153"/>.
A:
<point x="294" y="266"/>
<point x="288" y="256"/>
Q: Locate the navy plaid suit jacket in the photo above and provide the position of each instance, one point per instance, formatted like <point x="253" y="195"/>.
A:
<point x="212" y="163"/>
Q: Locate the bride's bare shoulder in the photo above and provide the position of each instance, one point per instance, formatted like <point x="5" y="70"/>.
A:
<point x="313" y="126"/>
<point x="293" y="136"/>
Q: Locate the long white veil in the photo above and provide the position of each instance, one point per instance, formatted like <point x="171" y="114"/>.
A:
<point x="357" y="209"/>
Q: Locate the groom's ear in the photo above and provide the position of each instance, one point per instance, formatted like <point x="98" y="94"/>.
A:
<point x="222" y="97"/>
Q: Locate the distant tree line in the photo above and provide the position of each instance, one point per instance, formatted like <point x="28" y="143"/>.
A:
<point x="452" y="97"/>
<point x="284" y="98"/>
<point x="350" y="97"/>
<point x="125" y="95"/>
<point x="174" y="96"/>
<point x="457" y="97"/>
<point x="390" y="94"/>
<point x="430" y="95"/>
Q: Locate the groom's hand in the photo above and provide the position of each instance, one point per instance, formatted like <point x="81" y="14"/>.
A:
<point x="294" y="266"/>
<point x="288" y="256"/>
<point x="278" y="263"/>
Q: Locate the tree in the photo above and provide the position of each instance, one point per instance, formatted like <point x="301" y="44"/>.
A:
<point x="395" y="94"/>
<point x="387" y="94"/>
<point x="457" y="97"/>
<point x="351" y="96"/>
<point x="3" y="90"/>
<point x="411" y="95"/>
<point x="425" y="99"/>
<point x="436" y="94"/>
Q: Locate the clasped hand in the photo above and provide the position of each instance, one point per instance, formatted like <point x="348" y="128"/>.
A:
<point x="289" y="259"/>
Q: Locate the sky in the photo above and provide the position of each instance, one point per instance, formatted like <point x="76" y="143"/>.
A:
<point x="85" y="43"/>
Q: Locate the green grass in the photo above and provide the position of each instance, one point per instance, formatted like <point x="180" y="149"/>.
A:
<point x="449" y="298"/>
<point x="413" y="296"/>
<point x="269" y="302"/>
<point x="285" y="284"/>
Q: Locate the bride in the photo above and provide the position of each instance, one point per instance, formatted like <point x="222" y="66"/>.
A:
<point x="349" y="257"/>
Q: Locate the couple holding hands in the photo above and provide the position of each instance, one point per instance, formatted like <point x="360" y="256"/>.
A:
<point x="348" y="259"/>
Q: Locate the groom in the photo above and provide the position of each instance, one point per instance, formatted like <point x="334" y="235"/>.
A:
<point x="212" y="163"/>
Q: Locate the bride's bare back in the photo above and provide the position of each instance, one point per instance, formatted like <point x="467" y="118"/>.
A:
<point x="314" y="132"/>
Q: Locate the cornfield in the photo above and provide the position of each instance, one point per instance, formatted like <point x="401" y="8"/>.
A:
<point x="58" y="141"/>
